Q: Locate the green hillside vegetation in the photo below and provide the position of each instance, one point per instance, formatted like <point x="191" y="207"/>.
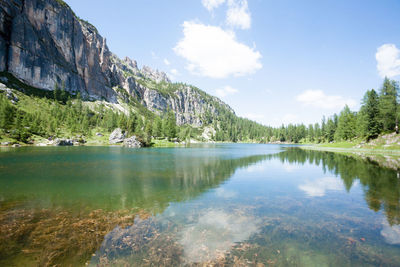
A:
<point x="49" y="114"/>
<point x="34" y="117"/>
<point x="41" y="114"/>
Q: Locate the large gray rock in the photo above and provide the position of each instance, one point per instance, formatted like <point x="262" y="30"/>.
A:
<point x="63" y="142"/>
<point x="132" y="142"/>
<point x="117" y="136"/>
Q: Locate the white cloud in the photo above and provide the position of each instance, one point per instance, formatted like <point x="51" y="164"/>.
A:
<point x="388" y="60"/>
<point x="318" y="99"/>
<point x="318" y="188"/>
<point x="213" y="52"/>
<point x="212" y="4"/>
<point x="175" y="72"/>
<point x="225" y="91"/>
<point x="238" y="14"/>
<point x="166" y="62"/>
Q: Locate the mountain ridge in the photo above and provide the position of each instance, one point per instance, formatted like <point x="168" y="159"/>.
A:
<point x="45" y="45"/>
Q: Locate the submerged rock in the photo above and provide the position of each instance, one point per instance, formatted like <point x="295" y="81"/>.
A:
<point x="117" y="136"/>
<point x="132" y="142"/>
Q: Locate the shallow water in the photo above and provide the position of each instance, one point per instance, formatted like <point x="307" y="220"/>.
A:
<point x="225" y="204"/>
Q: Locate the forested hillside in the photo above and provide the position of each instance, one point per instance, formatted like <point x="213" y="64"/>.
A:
<point x="42" y="114"/>
<point x="33" y="115"/>
<point x="379" y="113"/>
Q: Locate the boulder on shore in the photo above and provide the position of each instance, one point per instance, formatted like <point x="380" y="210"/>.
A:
<point x="132" y="142"/>
<point x="117" y="136"/>
<point x="63" y="142"/>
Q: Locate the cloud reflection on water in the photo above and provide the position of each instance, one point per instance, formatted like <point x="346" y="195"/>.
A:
<point x="391" y="234"/>
<point x="214" y="233"/>
<point x="318" y="187"/>
<point x="225" y="193"/>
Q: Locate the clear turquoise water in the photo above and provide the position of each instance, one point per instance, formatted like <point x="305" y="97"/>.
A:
<point x="225" y="204"/>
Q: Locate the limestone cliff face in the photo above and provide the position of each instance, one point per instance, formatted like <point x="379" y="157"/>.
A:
<point x="44" y="44"/>
<point x="189" y="106"/>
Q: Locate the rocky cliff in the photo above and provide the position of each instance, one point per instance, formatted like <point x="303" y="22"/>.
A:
<point x="45" y="45"/>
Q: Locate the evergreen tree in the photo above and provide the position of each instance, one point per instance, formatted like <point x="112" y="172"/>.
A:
<point x="56" y="92"/>
<point x="331" y="129"/>
<point x="148" y="129"/>
<point x="346" y="129"/>
<point x="139" y="125"/>
<point x="170" y="126"/>
<point x="323" y="128"/>
<point x="368" y="119"/>
<point x="131" y="124"/>
<point x="7" y="113"/>
<point x="157" y="127"/>
<point x="388" y="104"/>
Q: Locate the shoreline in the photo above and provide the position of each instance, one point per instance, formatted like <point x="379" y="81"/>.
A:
<point x="372" y="151"/>
<point x="384" y="158"/>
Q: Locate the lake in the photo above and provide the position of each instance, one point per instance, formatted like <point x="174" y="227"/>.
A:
<point x="222" y="204"/>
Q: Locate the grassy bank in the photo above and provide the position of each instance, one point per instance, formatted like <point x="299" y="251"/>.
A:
<point x="372" y="151"/>
<point x="384" y="144"/>
<point x="382" y="157"/>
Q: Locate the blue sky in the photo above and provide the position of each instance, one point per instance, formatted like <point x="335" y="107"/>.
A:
<point x="272" y="61"/>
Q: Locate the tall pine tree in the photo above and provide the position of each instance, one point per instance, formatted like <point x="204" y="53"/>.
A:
<point x="368" y="119"/>
<point x="388" y="105"/>
<point x="346" y="129"/>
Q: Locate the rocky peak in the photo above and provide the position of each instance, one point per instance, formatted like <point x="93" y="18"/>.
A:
<point x="156" y="75"/>
<point x="131" y="63"/>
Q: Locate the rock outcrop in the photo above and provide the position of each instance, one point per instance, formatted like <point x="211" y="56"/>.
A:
<point x="45" y="45"/>
<point x="9" y="93"/>
<point x="155" y="75"/>
<point x="132" y="142"/>
<point x="63" y="142"/>
<point x="117" y="136"/>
